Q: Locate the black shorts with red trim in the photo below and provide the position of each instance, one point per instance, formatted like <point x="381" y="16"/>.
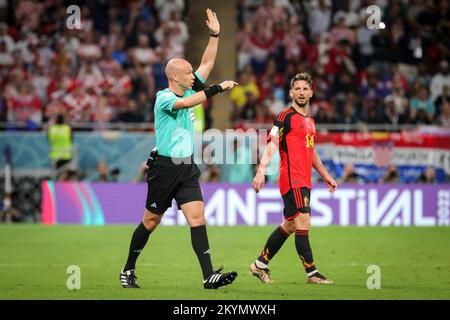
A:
<point x="296" y="201"/>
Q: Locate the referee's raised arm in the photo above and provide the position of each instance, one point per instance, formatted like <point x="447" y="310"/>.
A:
<point x="209" y="56"/>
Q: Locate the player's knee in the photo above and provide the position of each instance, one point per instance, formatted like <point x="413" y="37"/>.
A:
<point x="288" y="227"/>
<point x="304" y="222"/>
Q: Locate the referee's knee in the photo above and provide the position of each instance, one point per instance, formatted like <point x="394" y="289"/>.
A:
<point x="198" y="221"/>
<point x="151" y="220"/>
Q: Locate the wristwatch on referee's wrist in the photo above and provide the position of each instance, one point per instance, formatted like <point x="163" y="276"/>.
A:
<point x="214" y="35"/>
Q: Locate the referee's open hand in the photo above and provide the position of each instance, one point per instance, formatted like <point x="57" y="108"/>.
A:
<point x="228" y="84"/>
<point x="212" y="22"/>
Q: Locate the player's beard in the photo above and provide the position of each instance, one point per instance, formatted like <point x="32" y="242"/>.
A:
<point x="302" y="105"/>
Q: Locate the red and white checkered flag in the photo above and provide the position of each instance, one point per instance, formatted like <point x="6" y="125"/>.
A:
<point x="383" y="152"/>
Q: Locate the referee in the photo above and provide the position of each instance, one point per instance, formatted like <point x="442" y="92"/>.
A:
<point x="174" y="174"/>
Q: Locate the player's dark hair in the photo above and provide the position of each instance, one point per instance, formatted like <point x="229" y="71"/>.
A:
<point x="302" y="76"/>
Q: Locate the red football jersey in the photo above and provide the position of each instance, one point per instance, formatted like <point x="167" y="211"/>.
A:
<point x="296" y="144"/>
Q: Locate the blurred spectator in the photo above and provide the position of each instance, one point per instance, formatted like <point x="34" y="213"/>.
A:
<point x="269" y="12"/>
<point x="70" y="175"/>
<point x="145" y="106"/>
<point x="80" y="106"/>
<point x="348" y="115"/>
<point x="339" y="60"/>
<point x="382" y="51"/>
<point x="6" y="58"/>
<point x="442" y="99"/>
<point x="295" y="44"/>
<point x="6" y="38"/>
<point x="319" y="101"/>
<point x="428" y="176"/>
<point x="364" y="37"/>
<point x="420" y="118"/>
<point x="244" y="45"/>
<point x="40" y="80"/>
<point x="426" y="18"/>
<point x="439" y="80"/>
<point x="25" y="108"/>
<point x="391" y="175"/>
<point x="319" y="18"/>
<point x="119" y="87"/>
<point x="212" y="174"/>
<point x="399" y="102"/>
<point x="341" y="31"/>
<point x="61" y="81"/>
<point x="444" y="117"/>
<point x="119" y="53"/>
<point x="423" y="76"/>
<point x="61" y="150"/>
<point x="262" y="44"/>
<point x="174" y="29"/>
<point x="142" y="174"/>
<point x="107" y="64"/>
<point x="102" y="171"/>
<point x="422" y="102"/>
<point x="344" y="84"/>
<point x="89" y="50"/>
<point x="53" y="108"/>
<point x="115" y="175"/>
<point x="241" y="170"/>
<point x="349" y="174"/>
<point x="239" y="95"/>
<point x="9" y="213"/>
<point x="143" y="54"/>
<point x="372" y="112"/>
<point x="90" y="77"/>
<point x="249" y="110"/>
<point x="131" y="114"/>
<point x="393" y="117"/>
<point x="263" y="115"/>
<point x="351" y="18"/>
<point x="270" y="80"/>
<point x="372" y="87"/>
<point x="273" y="103"/>
<point x="165" y="7"/>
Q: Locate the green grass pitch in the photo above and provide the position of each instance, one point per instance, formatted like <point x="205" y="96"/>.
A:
<point x="414" y="263"/>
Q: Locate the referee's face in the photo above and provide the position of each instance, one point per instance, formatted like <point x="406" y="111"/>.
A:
<point x="186" y="76"/>
<point x="301" y="92"/>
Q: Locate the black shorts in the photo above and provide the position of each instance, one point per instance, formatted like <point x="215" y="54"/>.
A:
<point x="167" y="180"/>
<point x="296" y="201"/>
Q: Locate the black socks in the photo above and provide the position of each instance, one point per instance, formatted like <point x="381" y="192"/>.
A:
<point x="138" y="242"/>
<point x="304" y="250"/>
<point x="200" y="244"/>
<point x="273" y="244"/>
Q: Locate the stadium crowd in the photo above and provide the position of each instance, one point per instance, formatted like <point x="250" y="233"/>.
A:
<point x="396" y="75"/>
<point x="107" y="71"/>
<point x="110" y="70"/>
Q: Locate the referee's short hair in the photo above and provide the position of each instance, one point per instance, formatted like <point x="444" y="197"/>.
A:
<point x="302" y="76"/>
